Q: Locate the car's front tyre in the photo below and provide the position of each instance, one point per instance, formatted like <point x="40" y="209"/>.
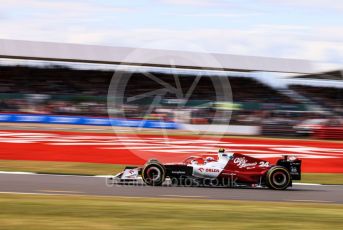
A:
<point x="154" y="173"/>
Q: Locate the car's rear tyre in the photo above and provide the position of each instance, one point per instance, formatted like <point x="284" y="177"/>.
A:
<point x="154" y="173"/>
<point x="278" y="178"/>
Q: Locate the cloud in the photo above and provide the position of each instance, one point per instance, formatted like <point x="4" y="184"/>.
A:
<point x="3" y="16"/>
<point x="87" y="22"/>
<point x="193" y="2"/>
<point x="218" y="14"/>
<point x="62" y="8"/>
<point x="336" y="5"/>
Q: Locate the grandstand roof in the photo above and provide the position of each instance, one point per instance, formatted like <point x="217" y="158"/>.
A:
<point x="50" y="51"/>
<point x="330" y="75"/>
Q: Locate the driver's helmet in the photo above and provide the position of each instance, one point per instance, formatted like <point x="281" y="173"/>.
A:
<point x="222" y="155"/>
<point x="221" y="150"/>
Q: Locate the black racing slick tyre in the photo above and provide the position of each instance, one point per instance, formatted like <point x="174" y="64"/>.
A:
<point x="154" y="174"/>
<point x="278" y="178"/>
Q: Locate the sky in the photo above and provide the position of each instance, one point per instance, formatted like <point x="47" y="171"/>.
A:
<point x="305" y="29"/>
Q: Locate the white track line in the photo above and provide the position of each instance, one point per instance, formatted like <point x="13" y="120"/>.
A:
<point x="19" y="173"/>
<point x="48" y="174"/>
<point x="307" y="184"/>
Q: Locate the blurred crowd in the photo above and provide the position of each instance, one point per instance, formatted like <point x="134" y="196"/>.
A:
<point x="331" y="98"/>
<point x="53" y="107"/>
<point x="65" y="91"/>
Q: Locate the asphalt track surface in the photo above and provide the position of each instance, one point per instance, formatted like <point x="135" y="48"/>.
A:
<point x="87" y="185"/>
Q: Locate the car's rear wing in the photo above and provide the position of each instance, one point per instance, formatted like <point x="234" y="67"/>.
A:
<point x="293" y="165"/>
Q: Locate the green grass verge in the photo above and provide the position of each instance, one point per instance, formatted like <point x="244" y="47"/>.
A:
<point x="60" y="167"/>
<point x="31" y="212"/>
<point x="110" y="169"/>
<point x="322" y="178"/>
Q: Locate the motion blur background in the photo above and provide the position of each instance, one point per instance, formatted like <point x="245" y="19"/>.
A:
<point x="298" y="105"/>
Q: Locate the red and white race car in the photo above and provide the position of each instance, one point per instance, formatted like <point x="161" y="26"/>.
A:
<point x="221" y="169"/>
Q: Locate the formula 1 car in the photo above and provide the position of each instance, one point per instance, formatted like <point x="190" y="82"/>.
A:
<point x="222" y="169"/>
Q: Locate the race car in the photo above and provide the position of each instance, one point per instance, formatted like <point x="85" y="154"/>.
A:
<point x="222" y="169"/>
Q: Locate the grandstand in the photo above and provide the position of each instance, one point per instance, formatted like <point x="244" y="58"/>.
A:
<point x="327" y="97"/>
<point x="52" y="87"/>
<point x="83" y="92"/>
